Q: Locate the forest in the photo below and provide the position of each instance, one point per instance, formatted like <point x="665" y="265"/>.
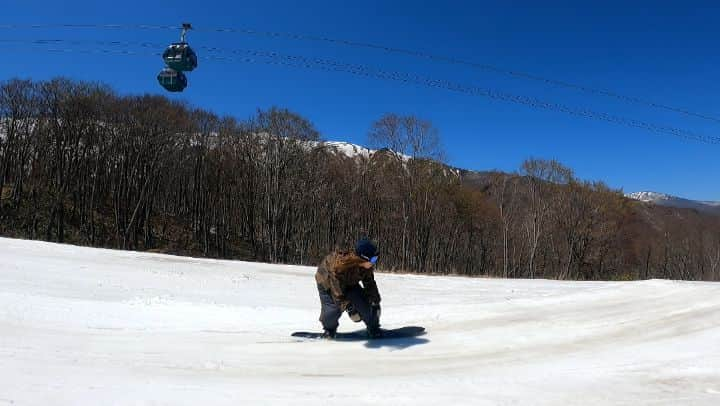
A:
<point x="81" y="164"/>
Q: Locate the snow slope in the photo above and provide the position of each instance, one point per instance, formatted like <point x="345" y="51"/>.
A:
<point x="90" y="326"/>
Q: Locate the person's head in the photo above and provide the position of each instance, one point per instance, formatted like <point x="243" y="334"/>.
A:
<point x="366" y="250"/>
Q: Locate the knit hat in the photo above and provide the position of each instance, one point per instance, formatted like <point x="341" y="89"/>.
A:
<point x="366" y="249"/>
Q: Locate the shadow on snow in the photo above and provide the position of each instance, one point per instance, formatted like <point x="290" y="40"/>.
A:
<point x="396" y="343"/>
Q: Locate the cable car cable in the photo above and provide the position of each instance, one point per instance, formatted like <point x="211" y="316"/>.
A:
<point x="274" y="58"/>
<point x="395" y="50"/>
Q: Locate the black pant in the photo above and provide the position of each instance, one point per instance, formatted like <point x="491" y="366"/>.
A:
<point x="330" y="311"/>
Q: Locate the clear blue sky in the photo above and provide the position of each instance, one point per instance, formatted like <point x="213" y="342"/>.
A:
<point x="656" y="50"/>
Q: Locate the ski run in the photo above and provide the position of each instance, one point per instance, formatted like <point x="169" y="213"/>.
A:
<point x="83" y="326"/>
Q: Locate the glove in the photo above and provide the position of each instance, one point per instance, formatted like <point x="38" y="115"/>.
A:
<point x="376" y="310"/>
<point x="354" y="315"/>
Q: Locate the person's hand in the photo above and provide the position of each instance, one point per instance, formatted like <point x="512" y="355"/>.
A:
<point x="366" y="265"/>
<point x="354" y="315"/>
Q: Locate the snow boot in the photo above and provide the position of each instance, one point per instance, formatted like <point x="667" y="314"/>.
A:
<point x="328" y="334"/>
<point x="375" y="332"/>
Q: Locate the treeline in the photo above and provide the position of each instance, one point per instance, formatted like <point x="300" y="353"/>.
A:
<point x="82" y="164"/>
<point x="553" y="225"/>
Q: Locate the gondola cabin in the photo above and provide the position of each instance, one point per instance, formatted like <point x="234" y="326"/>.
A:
<point x="172" y="80"/>
<point x="180" y="57"/>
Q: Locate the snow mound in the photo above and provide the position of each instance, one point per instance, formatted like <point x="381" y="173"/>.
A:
<point x="92" y="326"/>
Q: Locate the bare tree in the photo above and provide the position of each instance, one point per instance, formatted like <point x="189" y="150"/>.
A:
<point x="81" y="164"/>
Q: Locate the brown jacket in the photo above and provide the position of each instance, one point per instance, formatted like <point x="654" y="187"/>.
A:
<point x="341" y="270"/>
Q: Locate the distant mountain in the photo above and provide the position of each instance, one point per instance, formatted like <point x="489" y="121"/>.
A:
<point x="662" y="199"/>
<point x="350" y="150"/>
<point x="481" y="179"/>
<point x="346" y="148"/>
<point x="354" y="151"/>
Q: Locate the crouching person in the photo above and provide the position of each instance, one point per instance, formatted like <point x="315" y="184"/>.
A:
<point x="338" y="281"/>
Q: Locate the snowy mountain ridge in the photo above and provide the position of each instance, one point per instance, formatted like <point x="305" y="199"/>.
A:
<point x="666" y="200"/>
<point x="353" y="151"/>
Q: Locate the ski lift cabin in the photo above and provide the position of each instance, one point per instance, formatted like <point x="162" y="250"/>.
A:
<point x="180" y="57"/>
<point x="172" y="80"/>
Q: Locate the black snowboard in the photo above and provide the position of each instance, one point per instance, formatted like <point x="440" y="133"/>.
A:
<point x="361" y="335"/>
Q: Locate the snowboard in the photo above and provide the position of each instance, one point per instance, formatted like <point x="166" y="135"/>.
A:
<point x="361" y="335"/>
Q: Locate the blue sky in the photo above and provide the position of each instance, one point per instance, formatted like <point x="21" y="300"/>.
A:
<point x="664" y="52"/>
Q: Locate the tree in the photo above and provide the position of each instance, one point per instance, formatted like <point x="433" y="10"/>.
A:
<point x="541" y="177"/>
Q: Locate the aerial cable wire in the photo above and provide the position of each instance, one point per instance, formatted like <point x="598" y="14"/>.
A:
<point x="295" y="61"/>
<point x="395" y="50"/>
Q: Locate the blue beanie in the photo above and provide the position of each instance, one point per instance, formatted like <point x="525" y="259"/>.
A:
<point x="365" y="248"/>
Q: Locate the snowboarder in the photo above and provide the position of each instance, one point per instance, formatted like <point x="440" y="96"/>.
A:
<point x="338" y="281"/>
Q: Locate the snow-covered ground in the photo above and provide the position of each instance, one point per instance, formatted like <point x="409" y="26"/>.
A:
<point x="90" y="326"/>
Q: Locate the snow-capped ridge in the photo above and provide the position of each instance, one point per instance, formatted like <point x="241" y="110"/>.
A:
<point x="351" y="150"/>
<point x="647" y="196"/>
<point x="662" y="199"/>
